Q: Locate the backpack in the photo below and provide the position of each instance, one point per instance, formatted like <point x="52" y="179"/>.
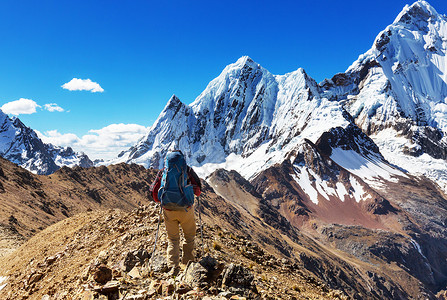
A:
<point x="175" y="193"/>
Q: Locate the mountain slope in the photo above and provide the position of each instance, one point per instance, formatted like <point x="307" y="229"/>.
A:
<point x="69" y="253"/>
<point x="363" y="210"/>
<point x="30" y="203"/>
<point x="21" y="145"/>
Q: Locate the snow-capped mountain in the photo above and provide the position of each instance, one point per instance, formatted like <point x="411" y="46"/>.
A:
<point x="21" y="145"/>
<point x="397" y="91"/>
<point x="248" y="119"/>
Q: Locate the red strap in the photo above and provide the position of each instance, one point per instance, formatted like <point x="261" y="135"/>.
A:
<point x="156" y="185"/>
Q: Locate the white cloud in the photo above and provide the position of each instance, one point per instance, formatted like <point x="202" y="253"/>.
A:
<point x="121" y="134"/>
<point x="77" y="84"/>
<point x="21" y="106"/>
<point x="105" y="143"/>
<point x="58" y="139"/>
<point x="51" y="107"/>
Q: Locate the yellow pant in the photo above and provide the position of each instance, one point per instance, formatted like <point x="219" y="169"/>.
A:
<point x="172" y="221"/>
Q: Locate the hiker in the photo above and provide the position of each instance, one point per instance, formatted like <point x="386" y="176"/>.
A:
<point x="175" y="187"/>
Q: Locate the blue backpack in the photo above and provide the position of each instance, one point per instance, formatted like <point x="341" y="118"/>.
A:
<point x="175" y="193"/>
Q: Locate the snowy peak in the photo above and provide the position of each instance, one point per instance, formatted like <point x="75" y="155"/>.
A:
<point x="21" y="145"/>
<point x="404" y="75"/>
<point x="235" y="76"/>
<point x="420" y="20"/>
<point x="171" y="110"/>
<point x="244" y="112"/>
<point x="246" y="62"/>
<point x="397" y="91"/>
<point x="417" y="13"/>
<point x="173" y="104"/>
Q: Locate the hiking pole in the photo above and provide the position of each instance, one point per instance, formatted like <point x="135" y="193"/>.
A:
<point x="200" y="222"/>
<point x="156" y="237"/>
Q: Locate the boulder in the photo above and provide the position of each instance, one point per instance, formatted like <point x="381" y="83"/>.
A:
<point x="194" y="274"/>
<point x="159" y="264"/>
<point x="102" y="274"/>
<point x="206" y="270"/>
<point x="35" y="277"/>
<point x="111" y="287"/>
<point x="132" y="258"/>
<point x="239" y="280"/>
<point x="135" y="273"/>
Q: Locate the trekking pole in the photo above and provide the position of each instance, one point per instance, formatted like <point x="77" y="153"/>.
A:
<point x="200" y="222"/>
<point x="156" y="237"/>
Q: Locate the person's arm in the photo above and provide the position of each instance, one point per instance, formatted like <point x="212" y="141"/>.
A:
<point x="156" y="186"/>
<point x="195" y="181"/>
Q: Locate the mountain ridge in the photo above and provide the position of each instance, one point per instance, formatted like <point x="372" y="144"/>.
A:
<point x="21" y="145"/>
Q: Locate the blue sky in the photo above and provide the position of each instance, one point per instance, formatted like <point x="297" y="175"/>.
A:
<point x="143" y="52"/>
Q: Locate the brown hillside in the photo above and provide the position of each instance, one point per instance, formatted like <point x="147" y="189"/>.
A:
<point x="30" y="203"/>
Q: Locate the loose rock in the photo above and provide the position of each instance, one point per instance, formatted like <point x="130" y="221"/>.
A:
<point x="102" y="274"/>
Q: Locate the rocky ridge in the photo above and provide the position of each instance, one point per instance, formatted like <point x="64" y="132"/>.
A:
<point x="105" y="255"/>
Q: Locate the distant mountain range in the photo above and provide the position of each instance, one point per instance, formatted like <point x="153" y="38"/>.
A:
<point x="21" y="145"/>
<point x="248" y="119"/>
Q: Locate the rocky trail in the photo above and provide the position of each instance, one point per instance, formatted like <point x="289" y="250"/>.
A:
<point x="106" y="255"/>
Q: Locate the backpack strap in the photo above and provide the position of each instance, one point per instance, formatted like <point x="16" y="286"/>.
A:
<point x="164" y="182"/>
<point x="155" y="186"/>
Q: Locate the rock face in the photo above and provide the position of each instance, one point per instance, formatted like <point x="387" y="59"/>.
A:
<point x="21" y="145"/>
